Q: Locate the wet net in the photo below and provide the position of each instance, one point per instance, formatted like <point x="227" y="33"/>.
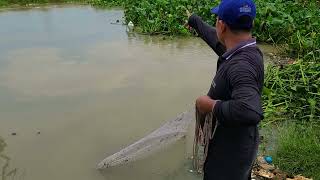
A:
<point x="204" y="131"/>
<point x="167" y="134"/>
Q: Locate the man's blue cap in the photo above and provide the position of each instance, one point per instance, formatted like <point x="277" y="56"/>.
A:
<point x="230" y="12"/>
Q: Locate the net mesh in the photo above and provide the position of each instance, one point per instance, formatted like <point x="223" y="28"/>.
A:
<point x="204" y="132"/>
<point x="167" y="134"/>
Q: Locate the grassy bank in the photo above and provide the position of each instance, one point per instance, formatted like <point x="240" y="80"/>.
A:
<point x="6" y="3"/>
<point x="298" y="149"/>
<point x="293" y="92"/>
<point x="291" y="102"/>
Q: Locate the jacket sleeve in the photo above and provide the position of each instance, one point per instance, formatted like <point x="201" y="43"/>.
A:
<point x="207" y="33"/>
<point x="244" y="108"/>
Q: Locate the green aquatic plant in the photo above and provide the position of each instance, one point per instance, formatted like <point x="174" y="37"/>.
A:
<point x="161" y="16"/>
<point x="295" y="22"/>
<point x="4" y="3"/>
<point x="165" y="16"/>
<point x="109" y="3"/>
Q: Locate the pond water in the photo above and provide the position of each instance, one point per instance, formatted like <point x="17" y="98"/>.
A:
<point x="76" y="88"/>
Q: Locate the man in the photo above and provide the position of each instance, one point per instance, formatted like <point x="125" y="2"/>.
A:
<point x="235" y="93"/>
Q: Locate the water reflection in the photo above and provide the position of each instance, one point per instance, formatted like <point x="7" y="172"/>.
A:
<point x="46" y="73"/>
<point x="6" y="171"/>
<point x="2" y="145"/>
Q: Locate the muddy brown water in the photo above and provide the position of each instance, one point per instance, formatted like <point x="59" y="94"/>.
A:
<point x="75" y="89"/>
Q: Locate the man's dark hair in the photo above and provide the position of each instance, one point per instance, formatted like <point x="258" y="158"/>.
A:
<point x="241" y="29"/>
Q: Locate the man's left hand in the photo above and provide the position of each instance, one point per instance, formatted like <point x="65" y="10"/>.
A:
<point x="205" y="104"/>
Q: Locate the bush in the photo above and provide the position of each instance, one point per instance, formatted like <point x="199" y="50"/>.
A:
<point x="293" y="92"/>
<point x="109" y="3"/>
<point x="26" y="2"/>
<point x="165" y="16"/>
<point x="295" y="22"/>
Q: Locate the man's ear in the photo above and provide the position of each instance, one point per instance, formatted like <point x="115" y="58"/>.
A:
<point x="223" y="26"/>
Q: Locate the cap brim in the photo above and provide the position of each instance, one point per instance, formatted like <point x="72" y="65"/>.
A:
<point x="215" y="10"/>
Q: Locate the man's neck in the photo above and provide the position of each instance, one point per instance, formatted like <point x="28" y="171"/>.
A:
<point x="233" y="40"/>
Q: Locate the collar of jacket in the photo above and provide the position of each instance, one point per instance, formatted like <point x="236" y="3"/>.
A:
<point x="227" y="55"/>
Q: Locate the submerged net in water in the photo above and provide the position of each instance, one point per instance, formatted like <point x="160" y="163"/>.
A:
<point x="204" y="131"/>
<point x="167" y="134"/>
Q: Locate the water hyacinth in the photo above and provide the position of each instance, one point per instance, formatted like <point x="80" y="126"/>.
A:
<point x="295" y="23"/>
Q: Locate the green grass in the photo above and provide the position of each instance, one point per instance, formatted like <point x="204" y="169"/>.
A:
<point x="5" y="3"/>
<point x="292" y="92"/>
<point x="109" y="3"/>
<point x="298" y="149"/>
<point x="295" y="22"/>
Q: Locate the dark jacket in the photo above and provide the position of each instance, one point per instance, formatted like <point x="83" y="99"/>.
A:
<point x="239" y="79"/>
<point x="238" y="86"/>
